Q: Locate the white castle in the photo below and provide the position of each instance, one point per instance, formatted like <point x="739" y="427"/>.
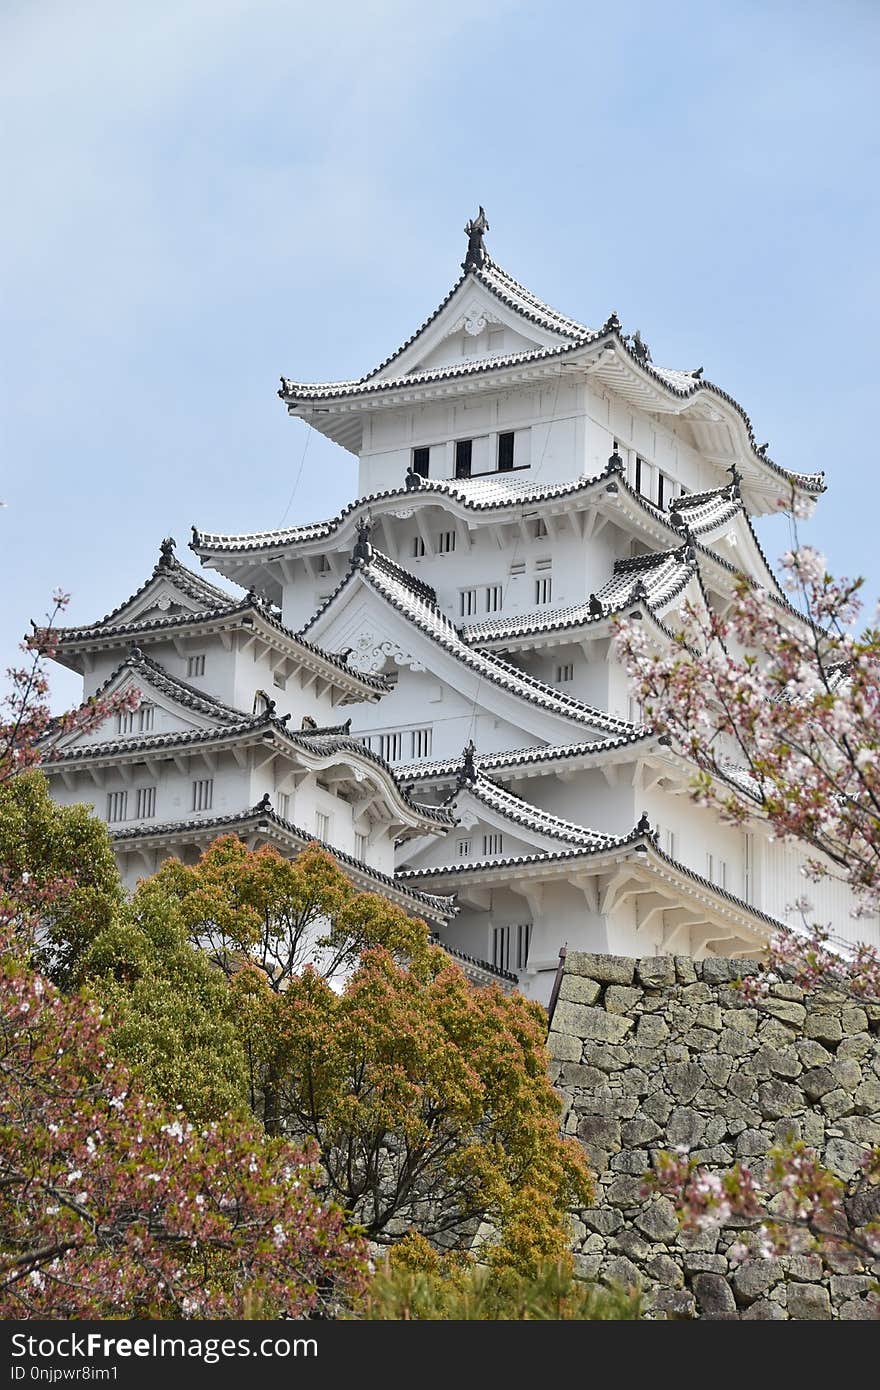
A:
<point x="525" y="481"/>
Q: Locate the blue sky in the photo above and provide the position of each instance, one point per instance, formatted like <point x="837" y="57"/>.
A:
<point x="201" y="195"/>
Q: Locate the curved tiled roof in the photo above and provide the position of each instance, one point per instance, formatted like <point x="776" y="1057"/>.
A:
<point x="475" y="960"/>
<point x="474" y="494"/>
<point x="520" y="757"/>
<point x="654" y="579"/>
<point x="318" y="742"/>
<point x="530" y="817"/>
<point x="232" y="607"/>
<point x="181" y="692"/>
<point x="408" y="597"/>
<point x="637" y="841"/>
<point x="209" y="596"/>
<point x="250" y="819"/>
<point x="681" y="386"/>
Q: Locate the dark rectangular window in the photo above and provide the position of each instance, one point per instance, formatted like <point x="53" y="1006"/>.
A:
<point x="505" y="452"/>
<point x="421" y="461"/>
<point x="660" y="489"/>
<point x="463" y="452"/>
<point x="638" y="474"/>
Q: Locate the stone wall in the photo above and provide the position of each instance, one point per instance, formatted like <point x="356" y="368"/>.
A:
<point x="660" y="1052"/>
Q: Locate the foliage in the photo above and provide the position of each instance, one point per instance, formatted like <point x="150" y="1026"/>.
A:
<point x="440" y="1289"/>
<point x="114" y="1206"/>
<point x="797" y="1206"/>
<point x="792" y="700"/>
<point x="28" y="728"/>
<point x="429" y="1101"/>
<point x="58" y="871"/>
<point x="277" y="915"/>
<point x="780" y="712"/>
<point x="174" y="1021"/>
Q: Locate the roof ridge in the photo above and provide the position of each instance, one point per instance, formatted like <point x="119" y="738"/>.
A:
<point x="180" y="690"/>
<point x="167" y="567"/>
<point x="438" y="902"/>
<point x="525" y="813"/>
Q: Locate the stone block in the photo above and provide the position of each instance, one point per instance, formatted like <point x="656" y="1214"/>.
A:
<point x="563" y="1047"/>
<point x="622" y="1272"/>
<point x="817" y="1081"/>
<point x="713" y="1293"/>
<point x="630" y="1161"/>
<point x="578" y="989"/>
<point x="854" y="1020"/>
<point x="752" y="1142"/>
<point x="659" y="1222"/>
<point x="639" y="1130"/>
<point x="685" y="1079"/>
<point x="594" y="1025"/>
<point x="786" y="1010"/>
<point x="808" y="1302"/>
<point x="812" y="1053"/>
<point x="764" y="1311"/>
<point x="651" y="1031"/>
<point x="610" y="970"/>
<point x="655" y="971"/>
<point x="838" y="1103"/>
<point x="754" y="1278"/>
<point x="620" y="999"/>
<point x="779" y="1098"/>
<point x="824" y="1028"/>
<point x="685" y="1126"/>
<point x="843" y="1157"/>
<point x="685" y="971"/>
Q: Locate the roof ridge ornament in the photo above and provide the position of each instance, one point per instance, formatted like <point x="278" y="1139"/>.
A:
<point x="166" y="552"/>
<point x="615" y="462"/>
<point x="363" y="550"/>
<point x="414" y="480"/>
<point x="597" y="607"/>
<point x="468" y="771"/>
<point x="644" y="826"/>
<point x="476" y="254"/>
<point x="639" y="348"/>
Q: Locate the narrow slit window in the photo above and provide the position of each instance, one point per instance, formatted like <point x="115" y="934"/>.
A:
<point x="494" y="598"/>
<point x="565" y="673"/>
<point x="464" y="449"/>
<point x="505" y="452"/>
<point x="523" y="938"/>
<point x="418" y="547"/>
<point x="322" y="825"/>
<point x="463" y="849"/>
<point x="467" y="603"/>
<point x="501" y="948"/>
<point x="283" y="801"/>
<point x="544" y="588"/>
<point x="195" y="665"/>
<point x="492" y="844"/>
<point x="117" y="806"/>
<point x="146" y="803"/>
<point x="447" y="542"/>
<point x="203" y="794"/>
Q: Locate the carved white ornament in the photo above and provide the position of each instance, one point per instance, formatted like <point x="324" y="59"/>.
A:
<point x="372" y="654"/>
<point x="467" y="819"/>
<point x="475" y="323"/>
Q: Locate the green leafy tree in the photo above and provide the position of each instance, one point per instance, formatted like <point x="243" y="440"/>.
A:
<point x="428" y="1099"/>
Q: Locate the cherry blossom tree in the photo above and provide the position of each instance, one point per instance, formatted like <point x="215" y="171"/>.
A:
<point x="778" y="708"/>
<point x="114" y="1206"/>
<point x="28" y="729"/>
